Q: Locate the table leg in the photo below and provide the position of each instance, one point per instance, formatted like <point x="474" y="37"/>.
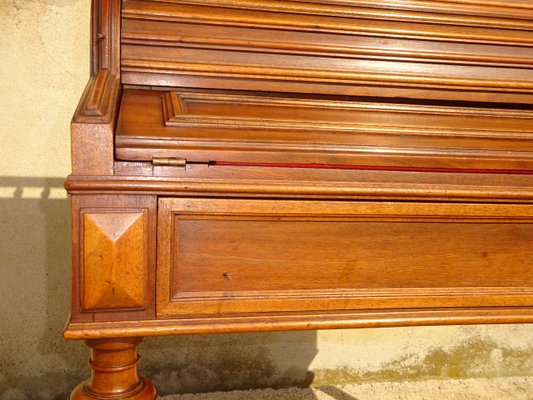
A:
<point x="114" y="372"/>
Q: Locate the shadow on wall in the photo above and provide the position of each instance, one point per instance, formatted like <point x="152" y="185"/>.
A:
<point x="37" y="363"/>
<point x="34" y="255"/>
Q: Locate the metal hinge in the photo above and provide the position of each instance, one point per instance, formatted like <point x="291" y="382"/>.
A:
<point x="169" y="162"/>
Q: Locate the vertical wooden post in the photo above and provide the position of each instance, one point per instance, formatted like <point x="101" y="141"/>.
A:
<point x="114" y="372"/>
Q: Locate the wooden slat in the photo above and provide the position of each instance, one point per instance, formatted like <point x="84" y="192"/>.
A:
<point x="522" y="9"/>
<point x="457" y="51"/>
<point x="190" y="35"/>
<point x="262" y="182"/>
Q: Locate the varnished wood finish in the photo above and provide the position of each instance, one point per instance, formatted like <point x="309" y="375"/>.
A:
<point x="114" y="372"/>
<point x="115" y="260"/>
<point x="221" y="257"/>
<point x="105" y="36"/>
<point x="264" y="182"/>
<point x="305" y="321"/>
<point x="99" y="100"/>
<point x="200" y="109"/>
<point x="113" y="257"/>
<point x="201" y="127"/>
<point x="92" y="128"/>
<point x="461" y="53"/>
<point x="257" y="165"/>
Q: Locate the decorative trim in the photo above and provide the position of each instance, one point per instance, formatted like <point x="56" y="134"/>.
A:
<point x="176" y="114"/>
<point x="441" y="170"/>
<point x="501" y="17"/>
<point x="338" y="45"/>
<point x="446" y="54"/>
<point x="186" y="184"/>
<point x="301" y="321"/>
<point x="105" y="34"/>
<point x="353" y="77"/>
<point x="190" y="255"/>
<point x="113" y="245"/>
<point x="444" y="293"/>
<point x="99" y="100"/>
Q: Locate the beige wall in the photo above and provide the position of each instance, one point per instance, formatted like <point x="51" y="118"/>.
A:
<point x="43" y="68"/>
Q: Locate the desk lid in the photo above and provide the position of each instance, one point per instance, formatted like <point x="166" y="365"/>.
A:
<point x="235" y="128"/>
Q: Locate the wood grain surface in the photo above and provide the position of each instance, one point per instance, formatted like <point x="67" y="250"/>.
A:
<point x="114" y="269"/>
<point x="265" y="165"/>
<point x="220" y="257"/>
<point x="407" y="49"/>
<point x="210" y="127"/>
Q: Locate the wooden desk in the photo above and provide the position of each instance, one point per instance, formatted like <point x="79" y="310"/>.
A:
<point x="256" y="165"/>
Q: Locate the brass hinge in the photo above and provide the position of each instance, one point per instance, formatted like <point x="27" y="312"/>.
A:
<point x="169" y="162"/>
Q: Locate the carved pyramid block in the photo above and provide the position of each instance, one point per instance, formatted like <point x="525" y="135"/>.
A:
<point x="114" y="261"/>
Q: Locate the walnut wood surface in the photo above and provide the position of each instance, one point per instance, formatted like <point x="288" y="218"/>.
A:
<point x="221" y="257"/>
<point x="203" y="127"/>
<point x="461" y="53"/>
<point x="256" y="104"/>
<point x="300" y="321"/>
<point x="113" y="257"/>
<point x="301" y="183"/>
<point x="115" y="260"/>
<point x="114" y="372"/>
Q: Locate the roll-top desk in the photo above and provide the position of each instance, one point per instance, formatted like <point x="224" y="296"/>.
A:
<point x="258" y="165"/>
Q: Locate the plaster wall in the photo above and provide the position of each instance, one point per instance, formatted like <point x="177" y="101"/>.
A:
<point x="43" y="69"/>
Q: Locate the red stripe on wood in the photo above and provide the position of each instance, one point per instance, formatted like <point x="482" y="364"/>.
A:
<point x="373" y="168"/>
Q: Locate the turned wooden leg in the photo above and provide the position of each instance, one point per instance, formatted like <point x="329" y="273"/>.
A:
<point x="114" y="372"/>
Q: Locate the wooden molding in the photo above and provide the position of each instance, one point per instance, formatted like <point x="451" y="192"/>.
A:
<point x="508" y="15"/>
<point x="238" y="112"/>
<point x="300" y="321"/>
<point x="186" y="36"/>
<point x="363" y="74"/>
<point x="292" y="183"/>
<point x="99" y="101"/>
<point x="105" y="36"/>
<point x="512" y="8"/>
<point x="93" y="125"/>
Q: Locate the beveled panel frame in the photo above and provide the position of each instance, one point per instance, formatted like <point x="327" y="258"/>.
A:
<point x="173" y="303"/>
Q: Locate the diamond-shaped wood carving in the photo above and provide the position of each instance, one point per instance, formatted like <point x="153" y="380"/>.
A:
<point x="114" y="261"/>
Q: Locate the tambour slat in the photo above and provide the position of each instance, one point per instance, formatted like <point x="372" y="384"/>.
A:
<point x="459" y="50"/>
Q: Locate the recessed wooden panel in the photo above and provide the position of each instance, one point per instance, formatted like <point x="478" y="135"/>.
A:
<point x="114" y="257"/>
<point x="228" y="256"/>
<point x="300" y="114"/>
<point x="313" y="255"/>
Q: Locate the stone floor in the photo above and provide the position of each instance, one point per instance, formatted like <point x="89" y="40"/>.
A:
<point x="516" y="388"/>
